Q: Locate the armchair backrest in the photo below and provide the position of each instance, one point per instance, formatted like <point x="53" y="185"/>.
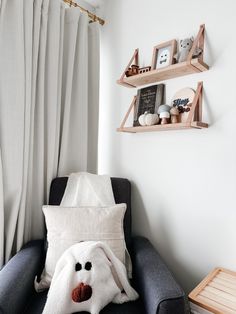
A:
<point x="122" y="194"/>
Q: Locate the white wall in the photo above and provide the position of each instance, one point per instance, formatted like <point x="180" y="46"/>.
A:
<point x="184" y="182"/>
<point x="87" y="5"/>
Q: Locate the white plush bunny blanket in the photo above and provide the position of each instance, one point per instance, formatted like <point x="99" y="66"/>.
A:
<point x="84" y="280"/>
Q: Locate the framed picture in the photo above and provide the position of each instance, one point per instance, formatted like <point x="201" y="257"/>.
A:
<point x="148" y="99"/>
<point x="163" y="54"/>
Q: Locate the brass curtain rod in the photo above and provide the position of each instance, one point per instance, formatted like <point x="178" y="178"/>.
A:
<point x="92" y="16"/>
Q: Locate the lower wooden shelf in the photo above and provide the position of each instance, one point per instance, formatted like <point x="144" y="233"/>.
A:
<point x="164" y="127"/>
<point x="193" y="121"/>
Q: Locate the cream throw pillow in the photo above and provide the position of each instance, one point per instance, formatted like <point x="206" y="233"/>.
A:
<point x="69" y="225"/>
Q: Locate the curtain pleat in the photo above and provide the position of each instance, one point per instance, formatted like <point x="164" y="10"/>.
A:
<point x="1" y="216"/>
<point x="73" y="140"/>
<point x="27" y="28"/>
<point x="48" y="100"/>
<point x="12" y="109"/>
<point x="93" y="94"/>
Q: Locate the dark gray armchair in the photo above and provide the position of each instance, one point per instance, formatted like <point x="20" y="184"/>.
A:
<point x="158" y="290"/>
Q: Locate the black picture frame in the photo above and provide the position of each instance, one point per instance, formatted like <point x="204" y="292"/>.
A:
<point x="148" y="99"/>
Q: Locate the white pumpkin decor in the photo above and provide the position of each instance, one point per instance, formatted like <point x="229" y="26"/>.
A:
<point x="151" y="119"/>
<point x="141" y="119"/>
<point x="148" y="118"/>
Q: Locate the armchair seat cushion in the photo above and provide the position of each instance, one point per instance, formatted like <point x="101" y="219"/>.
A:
<point x="38" y="301"/>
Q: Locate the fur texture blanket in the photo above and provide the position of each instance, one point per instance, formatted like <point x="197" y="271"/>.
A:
<point x="87" y="277"/>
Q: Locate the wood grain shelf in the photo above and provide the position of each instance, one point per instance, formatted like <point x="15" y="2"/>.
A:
<point x="165" y="127"/>
<point x="194" y="119"/>
<point x="170" y="72"/>
<point x="190" y="66"/>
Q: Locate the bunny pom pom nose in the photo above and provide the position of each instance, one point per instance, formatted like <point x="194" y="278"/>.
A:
<point x="81" y="293"/>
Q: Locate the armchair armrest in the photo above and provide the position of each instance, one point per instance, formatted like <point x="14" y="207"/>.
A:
<point x="17" y="277"/>
<point x="160" y="292"/>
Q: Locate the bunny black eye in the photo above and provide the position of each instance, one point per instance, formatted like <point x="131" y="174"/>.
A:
<point x="88" y="266"/>
<point x="188" y="44"/>
<point x="78" y="267"/>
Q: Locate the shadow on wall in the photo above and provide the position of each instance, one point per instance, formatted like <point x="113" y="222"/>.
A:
<point x="210" y="50"/>
<point x="169" y="254"/>
<point x="139" y="213"/>
<point x="208" y="109"/>
<point x="162" y="239"/>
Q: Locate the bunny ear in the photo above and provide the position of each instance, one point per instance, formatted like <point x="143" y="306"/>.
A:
<point x="129" y="293"/>
<point x="192" y="38"/>
<point x="181" y="40"/>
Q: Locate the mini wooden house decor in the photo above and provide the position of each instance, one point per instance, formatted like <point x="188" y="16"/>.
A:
<point x="133" y="70"/>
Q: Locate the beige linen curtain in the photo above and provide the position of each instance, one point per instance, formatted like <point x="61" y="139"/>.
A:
<point x="49" y="79"/>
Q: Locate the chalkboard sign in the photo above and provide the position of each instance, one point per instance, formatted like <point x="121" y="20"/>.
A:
<point x="148" y="99"/>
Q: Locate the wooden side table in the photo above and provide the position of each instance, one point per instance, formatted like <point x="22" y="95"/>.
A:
<point x="216" y="293"/>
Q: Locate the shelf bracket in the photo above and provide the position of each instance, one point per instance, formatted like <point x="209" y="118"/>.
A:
<point x="135" y="60"/>
<point x="133" y="104"/>
<point x="195" y="114"/>
<point x="198" y="42"/>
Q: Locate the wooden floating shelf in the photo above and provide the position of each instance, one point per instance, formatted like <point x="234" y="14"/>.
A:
<point x="193" y="121"/>
<point x="190" y="66"/>
<point x="164" y="127"/>
<point x="170" y="72"/>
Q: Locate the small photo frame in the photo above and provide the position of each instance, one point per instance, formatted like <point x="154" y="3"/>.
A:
<point x="163" y="54"/>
